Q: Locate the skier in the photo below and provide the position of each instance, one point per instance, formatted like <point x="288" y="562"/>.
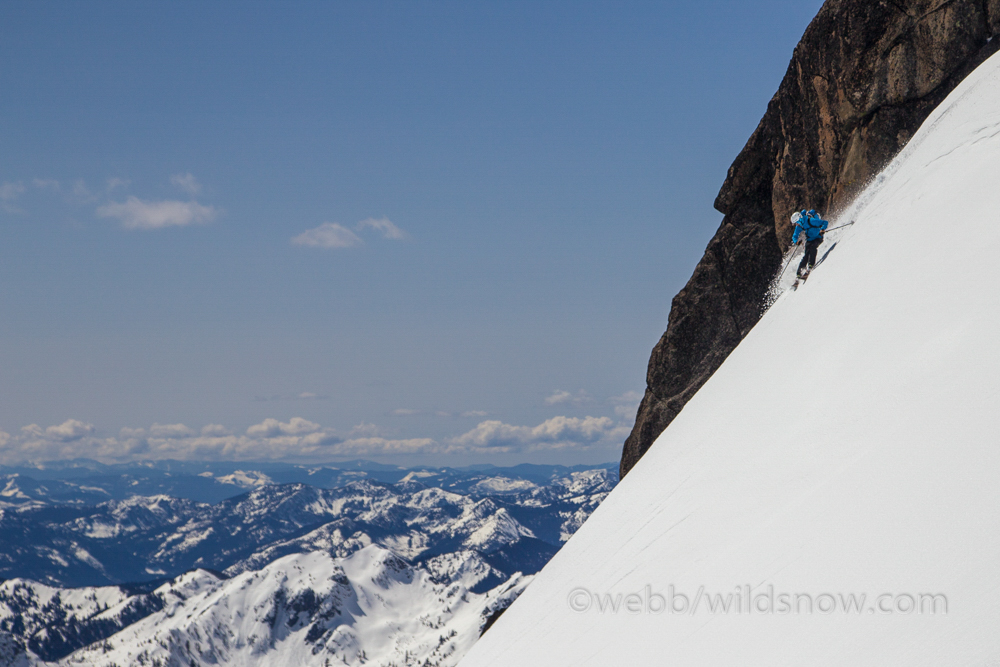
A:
<point x="814" y="227"/>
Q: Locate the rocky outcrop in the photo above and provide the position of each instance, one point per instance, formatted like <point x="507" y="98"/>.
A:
<point x="864" y="77"/>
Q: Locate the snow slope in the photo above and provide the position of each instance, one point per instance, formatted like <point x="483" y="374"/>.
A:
<point x="849" y="445"/>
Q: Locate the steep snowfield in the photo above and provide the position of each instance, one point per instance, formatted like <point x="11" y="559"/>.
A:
<point x="850" y="445"/>
<point x="313" y="609"/>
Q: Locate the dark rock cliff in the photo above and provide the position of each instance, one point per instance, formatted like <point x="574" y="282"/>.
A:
<point x="864" y="77"/>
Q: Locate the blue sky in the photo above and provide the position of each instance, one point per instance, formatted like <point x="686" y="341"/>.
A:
<point x="420" y="232"/>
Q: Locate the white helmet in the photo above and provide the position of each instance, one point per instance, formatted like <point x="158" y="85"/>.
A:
<point x="796" y="217"/>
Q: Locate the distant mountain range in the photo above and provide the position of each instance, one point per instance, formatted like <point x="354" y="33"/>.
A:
<point x="94" y="573"/>
<point x="84" y="481"/>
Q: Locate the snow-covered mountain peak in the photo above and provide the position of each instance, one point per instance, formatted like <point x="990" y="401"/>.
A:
<point x="188" y="584"/>
<point x="12" y="490"/>
<point x="418" y="475"/>
<point x="378" y="565"/>
<point x="500" y="485"/>
<point x="435" y="498"/>
<point x="491" y="530"/>
<point x="247" y="479"/>
<point x="463" y="567"/>
<point x="159" y="506"/>
<point x="311" y="609"/>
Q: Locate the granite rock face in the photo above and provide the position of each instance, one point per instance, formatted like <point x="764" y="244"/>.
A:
<point x="864" y="77"/>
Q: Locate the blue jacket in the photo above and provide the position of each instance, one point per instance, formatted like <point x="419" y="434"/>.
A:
<point x="813" y="226"/>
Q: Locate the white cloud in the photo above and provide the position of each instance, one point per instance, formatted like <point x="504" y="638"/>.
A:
<point x="320" y="439"/>
<point x="627" y="404"/>
<point x="114" y="183"/>
<point x="311" y="396"/>
<point x="271" y="439"/>
<point x="68" y="431"/>
<point x="186" y="182"/>
<point x="272" y="427"/>
<point x="555" y="433"/>
<point x="384" y="447"/>
<point x="170" y="431"/>
<point x="10" y="191"/>
<point x="365" y="431"/>
<point x="301" y="396"/>
<point x="405" y="412"/>
<point x="335" y="235"/>
<point x="137" y="214"/>
<point x="328" y="235"/>
<point x="46" y="184"/>
<point x="385" y="227"/>
<point x="36" y="443"/>
<point x="475" y="413"/>
<point x="560" y="396"/>
<point x="297" y="439"/>
<point x="81" y="193"/>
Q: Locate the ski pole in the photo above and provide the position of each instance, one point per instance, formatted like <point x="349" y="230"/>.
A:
<point x="787" y="262"/>
<point x="840" y="227"/>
